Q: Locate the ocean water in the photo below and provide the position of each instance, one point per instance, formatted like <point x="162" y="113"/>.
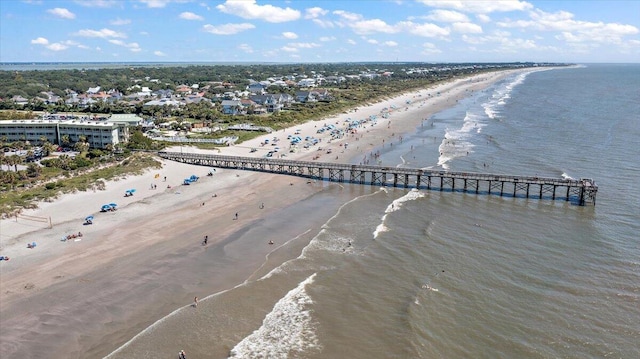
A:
<point x="399" y="273"/>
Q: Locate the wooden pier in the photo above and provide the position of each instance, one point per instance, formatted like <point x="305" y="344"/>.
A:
<point x="581" y="191"/>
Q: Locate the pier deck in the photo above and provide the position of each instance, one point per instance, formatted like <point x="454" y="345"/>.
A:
<point x="581" y="191"/>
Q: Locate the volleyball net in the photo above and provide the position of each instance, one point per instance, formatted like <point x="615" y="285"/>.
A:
<point x="26" y="217"/>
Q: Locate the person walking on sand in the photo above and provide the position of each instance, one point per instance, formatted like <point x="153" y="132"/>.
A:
<point x="195" y="302"/>
<point x="236" y="215"/>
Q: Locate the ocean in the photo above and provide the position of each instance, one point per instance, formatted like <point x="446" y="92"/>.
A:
<point x="400" y="273"/>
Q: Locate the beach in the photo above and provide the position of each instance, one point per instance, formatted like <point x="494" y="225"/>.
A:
<point x="87" y="296"/>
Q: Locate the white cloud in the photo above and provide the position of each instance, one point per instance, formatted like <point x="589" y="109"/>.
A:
<point x="425" y="30"/>
<point x="248" y="9"/>
<point x="304" y="45"/>
<point x="323" y="23"/>
<point x="289" y="49"/>
<point x="159" y="53"/>
<point x="447" y="16"/>
<point x="429" y="48"/>
<point x="160" y="3"/>
<point x="56" y="46"/>
<point x="102" y="33"/>
<point x="133" y="46"/>
<point x="372" y="41"/>
<point x="390" y="43"/>
<point x="348" y="16"/>
<point x="467" y="28"/>
<point x="227" y="29"/>
<point x="289" y="35"/>
<point x="120" y="22"/>
<point x="327" y="38"/>
<point x="246" y="48"/>
<point x="372" y="26"/>
<point x="483" y="18"/>
<point x="573" y="30"/>
<point x="97" y="3"/>
<point x="40" y="41"/>
<point x="479" y="7"/>
<point x="351" y="42"/>
<point x="190" y="16"/>
<point x="62" y="13"/>
<point x="314" y="13"/>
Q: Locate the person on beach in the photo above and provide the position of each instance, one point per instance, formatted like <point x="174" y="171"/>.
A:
<point x="195" y="302"/>
<point x="236" y="215"/>
<point x="182" y="355"/>
<point x="206" y="239"/>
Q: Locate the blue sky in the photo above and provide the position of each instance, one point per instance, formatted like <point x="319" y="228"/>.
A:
<point x="319" y="31"/>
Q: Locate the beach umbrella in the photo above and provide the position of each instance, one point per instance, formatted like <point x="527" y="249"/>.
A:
<point x="113" y="204"/>
<point x="131" y="190"/>
<point x="89" y="218"/>
<point x="106" y="207"/>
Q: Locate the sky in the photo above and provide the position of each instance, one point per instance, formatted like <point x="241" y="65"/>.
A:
<point x="319" y="31"/>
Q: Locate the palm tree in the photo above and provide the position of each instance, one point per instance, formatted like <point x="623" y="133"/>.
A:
<point x="65" y="140"/>
<point x="49" y="147"/>
<point x="15" y="161"/>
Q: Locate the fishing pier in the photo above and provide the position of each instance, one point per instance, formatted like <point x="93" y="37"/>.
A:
<point x="582" y="191"/>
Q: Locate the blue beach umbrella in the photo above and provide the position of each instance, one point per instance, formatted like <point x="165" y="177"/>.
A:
<point x="89" y="218"/>
<point x="105" y="207"/>
<point x="131" y="190"/>
<point x="113" y="204"/>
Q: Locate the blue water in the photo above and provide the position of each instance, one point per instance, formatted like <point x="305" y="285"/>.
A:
<point x="401" y="273"/>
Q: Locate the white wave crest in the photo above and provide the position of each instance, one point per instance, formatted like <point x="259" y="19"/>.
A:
<point x="394" y="206"/>
<point x="288" y="330"/>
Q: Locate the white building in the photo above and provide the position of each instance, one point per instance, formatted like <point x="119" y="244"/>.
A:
<point x="98" y="134"/>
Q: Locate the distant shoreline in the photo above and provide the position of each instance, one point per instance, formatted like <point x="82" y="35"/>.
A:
<point x="61" y="65"/>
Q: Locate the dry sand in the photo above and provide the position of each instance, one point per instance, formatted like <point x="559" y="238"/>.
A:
<point x="85" y="298"/>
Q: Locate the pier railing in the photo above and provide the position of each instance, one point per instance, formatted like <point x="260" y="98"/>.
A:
<point x="582" y="191"/>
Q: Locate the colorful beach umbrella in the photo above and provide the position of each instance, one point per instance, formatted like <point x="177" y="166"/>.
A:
<point x="89" y="218"/>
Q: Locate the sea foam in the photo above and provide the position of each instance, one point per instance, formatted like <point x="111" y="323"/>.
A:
<point x="288" y="330"/>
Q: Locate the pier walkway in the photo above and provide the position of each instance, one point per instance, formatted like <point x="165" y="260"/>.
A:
<point x="581" y="191"/>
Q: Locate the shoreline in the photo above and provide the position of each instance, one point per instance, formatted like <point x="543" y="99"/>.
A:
<point x="155" y="236"/>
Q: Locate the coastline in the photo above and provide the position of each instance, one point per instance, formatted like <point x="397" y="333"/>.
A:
<point x="68" y="299"/>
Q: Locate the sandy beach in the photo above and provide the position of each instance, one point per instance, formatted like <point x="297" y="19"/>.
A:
<point x="85" y="297"/>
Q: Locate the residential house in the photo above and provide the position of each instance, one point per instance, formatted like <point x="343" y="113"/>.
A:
<point x="231" y="107"/>
<point x="257" y="88"/>
<point x="307" y="82"/>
